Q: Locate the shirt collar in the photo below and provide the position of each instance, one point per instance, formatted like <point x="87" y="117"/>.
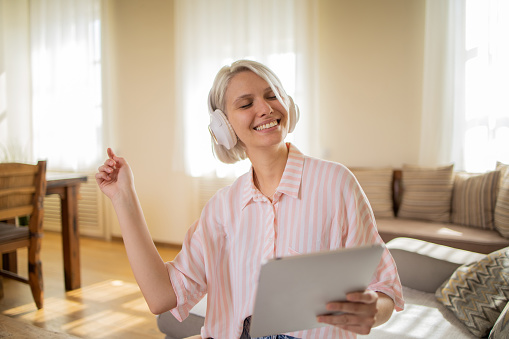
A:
<point x="290" y="181"/>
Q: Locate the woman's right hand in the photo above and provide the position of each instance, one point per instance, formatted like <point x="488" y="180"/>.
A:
<point x="114" y="176"/>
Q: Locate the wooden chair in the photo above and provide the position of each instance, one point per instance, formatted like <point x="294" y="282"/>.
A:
<point x="22" y="190"/>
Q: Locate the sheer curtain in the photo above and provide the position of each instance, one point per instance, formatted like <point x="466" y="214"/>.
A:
<point x="211" y="34"/>
<point x="465" y="117"/>
<point x="486" y="115"/>
<point x="66" y="82"/>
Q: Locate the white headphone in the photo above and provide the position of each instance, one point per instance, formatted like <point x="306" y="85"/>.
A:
<point x="223" y="132"/>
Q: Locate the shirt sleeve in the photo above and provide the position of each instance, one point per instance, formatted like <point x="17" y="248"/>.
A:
<point x="358" y="229"/>
<point x="187" y="272"/>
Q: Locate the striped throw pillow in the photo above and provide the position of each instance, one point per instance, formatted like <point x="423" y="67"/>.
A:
<point x="377" y="184"/>
<point x="503" y="168"/>
<point x="473" y="199"/>
<point x="477" y="293"/>
<point x="426" y="193"/>
<point x="502" y="205"/>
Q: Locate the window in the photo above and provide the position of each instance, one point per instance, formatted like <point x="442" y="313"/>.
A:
<point x="66" y="83"/>
<point x="465" y="117"/>
<point x="486" y="115"/>
<point x="50" y="86"/>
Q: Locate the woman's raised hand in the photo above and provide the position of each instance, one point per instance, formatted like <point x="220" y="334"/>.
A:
<point x="114" y="176"/>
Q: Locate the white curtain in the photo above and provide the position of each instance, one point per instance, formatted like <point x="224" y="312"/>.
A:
<point x="213" y="33"/>
<point x="486" y="114"/>
<point x="465" y="116"/>
<point x="15" y="88"/>
<point x="66" y="82"/>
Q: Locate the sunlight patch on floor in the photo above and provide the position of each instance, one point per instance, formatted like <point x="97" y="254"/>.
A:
<point x="102" y="324"/>
<point x="104" y="291"/>
<point x="139" y="305"/>
<point x="91" y="311"/>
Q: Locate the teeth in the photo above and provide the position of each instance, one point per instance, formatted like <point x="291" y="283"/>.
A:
<point x="269" y="125"/>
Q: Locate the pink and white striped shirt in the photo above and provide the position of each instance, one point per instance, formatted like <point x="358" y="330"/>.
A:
<point x="318" y="205"/>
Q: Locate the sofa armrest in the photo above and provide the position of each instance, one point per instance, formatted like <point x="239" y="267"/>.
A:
<point x="424" y="266"/>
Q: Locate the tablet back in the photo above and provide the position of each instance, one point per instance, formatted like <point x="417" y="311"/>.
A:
<point x="292" y="291"/>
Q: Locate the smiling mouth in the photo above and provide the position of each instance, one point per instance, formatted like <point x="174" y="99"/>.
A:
<point x="269" y="125"/>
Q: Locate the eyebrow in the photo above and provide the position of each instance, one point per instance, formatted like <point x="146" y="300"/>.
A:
<point x="244" y="96"/>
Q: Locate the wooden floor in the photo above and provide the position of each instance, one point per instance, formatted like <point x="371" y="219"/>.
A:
<point x="109" y="304"/>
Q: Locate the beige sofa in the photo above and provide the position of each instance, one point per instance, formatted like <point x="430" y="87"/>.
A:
<point x="461" y="210"/>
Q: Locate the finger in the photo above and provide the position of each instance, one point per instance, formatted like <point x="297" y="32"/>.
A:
<point x="344" y="319"/>
<point x="352" y="308"/>
<point x="367" y="297"/>
<point x="102" y="176"/>
<point x="106" y="168"/>
<point x="118" y="160"/>
<point x="347" y="320"/>
<point x="110" y="153"/>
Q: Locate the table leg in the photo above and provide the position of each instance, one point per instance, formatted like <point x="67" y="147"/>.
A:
<point x="70" y="238"/>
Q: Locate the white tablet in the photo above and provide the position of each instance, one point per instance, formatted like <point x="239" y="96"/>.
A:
<point x="292" y="291"/>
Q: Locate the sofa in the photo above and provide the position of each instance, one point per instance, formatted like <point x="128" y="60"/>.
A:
<point x="423" y="317"/>
<point x="469" y="211"/>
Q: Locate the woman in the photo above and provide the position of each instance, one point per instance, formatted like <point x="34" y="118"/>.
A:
<point x="285" y="205"/>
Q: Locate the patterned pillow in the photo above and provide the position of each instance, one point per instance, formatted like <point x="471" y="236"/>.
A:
<point x="477" y="293"/>
<point x="502" y="205"/>
<point x="473" y="199"/>
<point x="427" y="193"/>
<point x="501" y="328"/>
<point x="377" y="184"/>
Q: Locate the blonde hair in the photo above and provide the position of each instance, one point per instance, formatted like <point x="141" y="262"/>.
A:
<point x="217" y="99"/>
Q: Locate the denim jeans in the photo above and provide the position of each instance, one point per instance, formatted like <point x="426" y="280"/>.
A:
<point x="245" y="332"/>
<point x="247" y="325"/>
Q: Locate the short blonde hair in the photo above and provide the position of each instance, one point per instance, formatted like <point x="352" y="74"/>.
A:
<point x="217" y="100"/>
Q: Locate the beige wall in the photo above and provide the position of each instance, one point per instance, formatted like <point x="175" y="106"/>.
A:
<point x="139" y="59"/>
<point x="370" y="56"/>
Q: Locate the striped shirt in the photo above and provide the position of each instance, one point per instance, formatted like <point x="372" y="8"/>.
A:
<point x="318" y="205"/>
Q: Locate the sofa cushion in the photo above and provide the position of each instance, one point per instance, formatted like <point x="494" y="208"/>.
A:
<point x="478" y="292"/>
<point x="427" y="193"/>
<point x="502" y="206"/>
<point x="467" y="238"/>
<point x="473" y="199"/>
<point x="501" y="328"/>
<point x="191" y="326"/>
<point x="377" y="184"/>
<point x="423" y="317"/>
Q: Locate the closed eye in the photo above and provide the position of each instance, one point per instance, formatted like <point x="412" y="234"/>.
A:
<point x="247" y="105"/>
<point x="270" y="95"/>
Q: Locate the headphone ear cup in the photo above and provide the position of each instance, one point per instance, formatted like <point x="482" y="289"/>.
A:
<point x="221" y="130"/>
<point x="294" y="115"/>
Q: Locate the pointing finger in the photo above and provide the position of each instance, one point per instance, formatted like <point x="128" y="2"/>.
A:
<point x="110" y="153"/>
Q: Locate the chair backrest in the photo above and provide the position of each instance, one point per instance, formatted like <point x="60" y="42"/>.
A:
<point x="22" y="190"/>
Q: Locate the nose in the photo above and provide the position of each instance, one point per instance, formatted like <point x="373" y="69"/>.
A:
<point x="264" y="108"/>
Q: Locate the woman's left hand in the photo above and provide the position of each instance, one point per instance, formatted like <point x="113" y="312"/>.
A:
<point x="359" y="312"/>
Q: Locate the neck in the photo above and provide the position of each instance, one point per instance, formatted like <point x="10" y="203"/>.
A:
<point x="269" y="166"/>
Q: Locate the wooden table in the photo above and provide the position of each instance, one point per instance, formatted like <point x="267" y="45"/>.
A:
<point x="67" y="187"/>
